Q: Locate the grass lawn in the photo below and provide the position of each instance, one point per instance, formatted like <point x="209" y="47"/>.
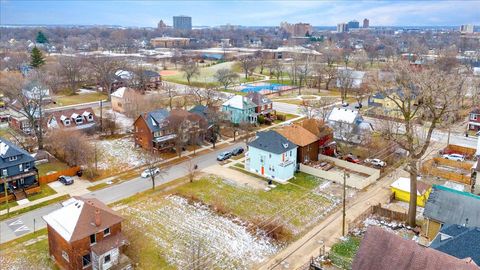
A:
<point x="343" y="252"/>
<point x="3" y="206"/>
<point x="78" y="99"/>
<point x="36" y="206"/>
<point x="27" y="252"/>
<point x="55" y="165"/>
<point x="46" y="191"/>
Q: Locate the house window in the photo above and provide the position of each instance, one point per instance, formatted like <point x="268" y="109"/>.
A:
<point x="290" y="153"/>
<point x="12" y="158"/>
<point x="106" y="232"/>
<point x="79" y="120"/>
<point x="269" y="155"/>
<point x="106" y="259"/>
<point x="90" y="118"/>
<point x="65" y="256"/>
<point x="4" y="172"/>
<point x="473" y="116"/>
<point x="66" y="122"/>
<point x="86" y="260"/>
<point x="93" y="239"/>
<point x="20" y="167"/>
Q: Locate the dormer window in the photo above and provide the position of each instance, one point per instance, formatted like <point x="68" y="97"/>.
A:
<point x="12" y="158"/>
<point x="88" y="116"/>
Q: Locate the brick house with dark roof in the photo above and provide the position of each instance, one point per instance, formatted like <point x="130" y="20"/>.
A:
<point x="264" y="104"/>
<point x="86" y="234"/>
<point x="324" y="134"/>
<point x="380" y="250"/>
<point x="474" y="120"/>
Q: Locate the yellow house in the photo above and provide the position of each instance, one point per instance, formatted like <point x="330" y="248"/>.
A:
<point x="385" y="104"/>
<point x="401" y="189"/>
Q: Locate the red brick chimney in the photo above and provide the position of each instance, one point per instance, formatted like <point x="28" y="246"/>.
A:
<point x="98" y="220"/>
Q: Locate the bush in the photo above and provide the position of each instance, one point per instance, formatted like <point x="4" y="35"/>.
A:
<point x="261" y="119"/>
<point x="281" y="117"/>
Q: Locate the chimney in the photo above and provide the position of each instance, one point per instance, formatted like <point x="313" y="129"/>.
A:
<point x="98" y="220"/>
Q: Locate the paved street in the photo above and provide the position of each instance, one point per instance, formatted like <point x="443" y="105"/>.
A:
<point x="15" y="227"/>
<point x="438" y="135"/>
<point x="94" y="104"/>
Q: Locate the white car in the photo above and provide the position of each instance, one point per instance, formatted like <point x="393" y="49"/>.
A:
<point x="456" y="157"/>
<point x="149" y="172"/>
<point x="376" y="162"/>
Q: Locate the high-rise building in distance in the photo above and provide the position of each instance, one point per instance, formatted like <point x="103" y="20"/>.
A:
<point x="182" y="22"/>
<point x="342" y="27"/>
<point x="366" y="23"/>
<point x="466" y="28"/>
<point x="353" y="24"/>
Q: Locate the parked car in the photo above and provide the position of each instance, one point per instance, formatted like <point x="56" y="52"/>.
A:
<point x="66" y="180"/>
<point x="224" y="156"/>
<point x="352" y="159"/>
<point x="358" y="106"/>
<point x="456" y="157"/>
<point x="376" y="162"/>
<point x="149" y="172"/>
<point x="345" y="104"/>
<point x="237" y="151"/>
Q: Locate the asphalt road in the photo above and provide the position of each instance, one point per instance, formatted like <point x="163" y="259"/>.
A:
<point x="80" y="106"/>
<point x="20" y="225"/>
<point x="438" y="135"/>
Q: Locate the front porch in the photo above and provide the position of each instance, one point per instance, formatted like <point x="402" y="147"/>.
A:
<point x="19" y="186"/>
<point x="106" y="254"/>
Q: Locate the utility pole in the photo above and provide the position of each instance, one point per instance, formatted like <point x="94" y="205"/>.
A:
<point x="101" y="115"/>
<point x="5" y="184"/>
<point x="345" y="175"/>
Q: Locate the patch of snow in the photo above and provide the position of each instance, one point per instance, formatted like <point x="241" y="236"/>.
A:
<point x="119" y="152"/>
<point x="83" y="91"/>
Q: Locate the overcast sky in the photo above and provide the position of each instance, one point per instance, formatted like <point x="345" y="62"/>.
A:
<point x="249" y="13"/>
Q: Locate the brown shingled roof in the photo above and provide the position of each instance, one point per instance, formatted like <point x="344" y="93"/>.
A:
<point x="317" y="127"/>
<point x="380" y="250"/>
<point x="298" y="135"/>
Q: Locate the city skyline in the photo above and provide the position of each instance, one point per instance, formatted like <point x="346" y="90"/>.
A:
<point x="247" y="13"/>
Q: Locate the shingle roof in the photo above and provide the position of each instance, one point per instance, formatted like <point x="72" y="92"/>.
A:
<point x="239" y="102"/>
<point x="272" y="142"/>
<point x="76" y="219"/>
<point x="258" y="98"/>
<point x="459" y="241"/>
<point x="381" y="250"/>
<point x="69" y="114"/>
<point x="451" y="206"/>
<point x="9" y="149"/>
<point x="155" y="119"/>
<point x="317" y="127"/>
<point x="298" y="135"/>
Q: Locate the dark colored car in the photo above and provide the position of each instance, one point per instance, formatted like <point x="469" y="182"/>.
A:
<point x="358" y="106"/>
<point x="66" y="180"/>
<point x="224" y="156"/>
<point x="237" y="151"/>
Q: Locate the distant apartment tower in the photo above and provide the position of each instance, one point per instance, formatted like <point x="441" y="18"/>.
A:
<point x="353" y="24"/>
<point x="297" y="29"/>
<point x="466" y="28"/>
<point x="161" y="25"/>
<point x="182" y="22"/>
<point x="342" y="27"/>
<point x="366" y="23"/>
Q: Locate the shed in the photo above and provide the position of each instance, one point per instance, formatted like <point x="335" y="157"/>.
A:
<point x="401" y="189"/>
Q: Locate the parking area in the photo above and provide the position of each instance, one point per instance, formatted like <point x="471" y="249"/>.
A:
<point x="78" y="187"/>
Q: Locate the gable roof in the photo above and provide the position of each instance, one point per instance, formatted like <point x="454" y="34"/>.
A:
<point x="59" y="116"/>
<point x="272" y="142"/>
<point x="451" y="206"/>
<point x="239" y="102"/>
<point x="121" y="92"/>
<point x="343" y="115"/>
<point x="298" y="135"/>
<point x="459" y="241"/>
<point x="316" y="127"/>
<point x="76" y="219"/>
<point x="156" y="119"/>
<point x="9" y="149"/>
<point x="200" y="110"/>
<point x="258" y="98"/>
<point x="380" y="250"/>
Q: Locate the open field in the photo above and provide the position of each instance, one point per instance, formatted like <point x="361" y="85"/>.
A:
<point x="78" y="99"/>
<point x="230" y="226"/>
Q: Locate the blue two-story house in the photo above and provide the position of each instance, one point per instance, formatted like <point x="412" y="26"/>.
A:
<point x="240" y="109"/>
<point x="17" y="169"/>
<point x="272" y="156"/>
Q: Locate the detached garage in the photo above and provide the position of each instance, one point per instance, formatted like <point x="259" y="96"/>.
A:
<point x="401" y="189"/>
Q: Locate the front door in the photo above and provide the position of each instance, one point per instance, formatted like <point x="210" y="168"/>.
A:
<point x="263" y="170"/>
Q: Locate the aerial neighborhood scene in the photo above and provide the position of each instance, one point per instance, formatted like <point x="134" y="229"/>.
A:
<point x="269" y="135"/>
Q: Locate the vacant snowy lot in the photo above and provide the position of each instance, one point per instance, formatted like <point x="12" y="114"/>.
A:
<point x="189" y="234"/>
<point x="118" y="153"/>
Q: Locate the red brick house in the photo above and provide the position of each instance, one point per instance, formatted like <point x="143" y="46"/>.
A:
<point x="264" y="104"/>
<point x="86" y="234"/>
<point x="474" y="120"/>
<point x="72" y="119"/>
<point x="324" y="134"/>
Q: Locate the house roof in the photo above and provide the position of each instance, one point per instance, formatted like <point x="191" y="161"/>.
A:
<point x="343" y="115"/>
<point x="258" y="98"/>
<point x="459" y="241"/>
<point x="76" y="219"/>
<point x="298" y="135"/>
<point x="200" y="110"/>
<point x="109" y="243"/>
<point x="403" y="184"/>
<point x="151" y="73"/>
<point x="380" y="250"/>
<point x="120" y="92"/>
<point x="239" y="102"/>
<point x="9" y="149"/>
<point x="475" y="110"/>
<point x="451" y="206"/>
<point x="317" y="127"/>
<point x="59" y="116"/>
<point x="272" y="142"/>
<point x="155" y="119"/>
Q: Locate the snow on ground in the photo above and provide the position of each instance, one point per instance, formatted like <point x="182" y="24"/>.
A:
<point x="178" y="227"/>
<point x="118" y="152"/>
<point x="83" y="91"/>
<point x="125" y="123"/>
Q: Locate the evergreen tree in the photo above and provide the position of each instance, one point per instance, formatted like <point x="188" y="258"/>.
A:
<point x="36" y="58"/>
<point x="41" y="38"/>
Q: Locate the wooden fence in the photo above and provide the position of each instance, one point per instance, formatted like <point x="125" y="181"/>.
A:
<point x="467" y="151"/>
<point x="379" y="211"/>
<point x="453" y="163"/>
<point x="429" y="167"/>
<point x="54" y="176"/>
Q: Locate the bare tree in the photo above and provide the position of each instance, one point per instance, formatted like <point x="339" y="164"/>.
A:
<point x="150" y="161"/>
<point x="248" y="64"/>
<point x="425" y="95"/>
<point x="261" y="60"/>
<point x="215" y="120"/>
<point x="171" y="93"/>
<point x="103" y="70"/>
<point x="330" y="73"/>
<point x="226" y="77"/>
<point x="71" y="71"/>
<point x="190" y="70"/>
<point x="247" y="129"/>
<point x="191" y="169"/>
<point x="307" y="108"/>
<point x="345" y="82"/>
<point x="109" y="123"/>
<point x="71" y="147"/>
<point x="279" y="69"/>
<point x="303" y="71"/>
